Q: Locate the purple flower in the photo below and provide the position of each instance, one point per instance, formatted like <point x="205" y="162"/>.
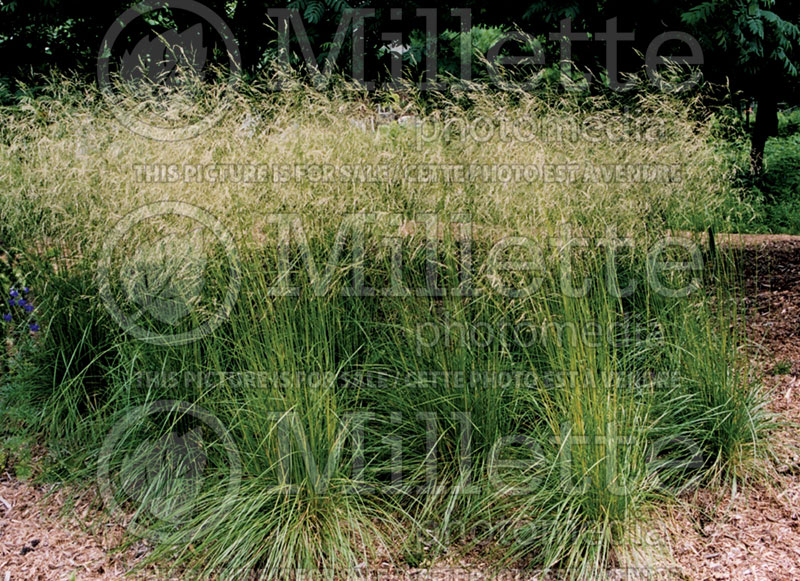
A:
<point x="34" y="328"/>
<point x="13" y="293"/>
<point x="28" y="308"/>
<point x="22" y="303"/>
<point x="11" y="302"/>
<point x="7" y="318"/>
<point x="26" y="290"/>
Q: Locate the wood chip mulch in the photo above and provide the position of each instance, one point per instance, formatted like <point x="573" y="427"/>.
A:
<point x="46" y="535"/>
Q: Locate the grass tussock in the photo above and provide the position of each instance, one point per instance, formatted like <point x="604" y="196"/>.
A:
<point x="408" y="366"/>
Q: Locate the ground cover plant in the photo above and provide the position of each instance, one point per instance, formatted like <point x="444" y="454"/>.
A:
<point x="312" y="337"/>
<point x="772" y="194"/>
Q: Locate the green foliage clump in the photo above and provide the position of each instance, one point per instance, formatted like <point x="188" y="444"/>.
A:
<point x="532" y="419"/>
